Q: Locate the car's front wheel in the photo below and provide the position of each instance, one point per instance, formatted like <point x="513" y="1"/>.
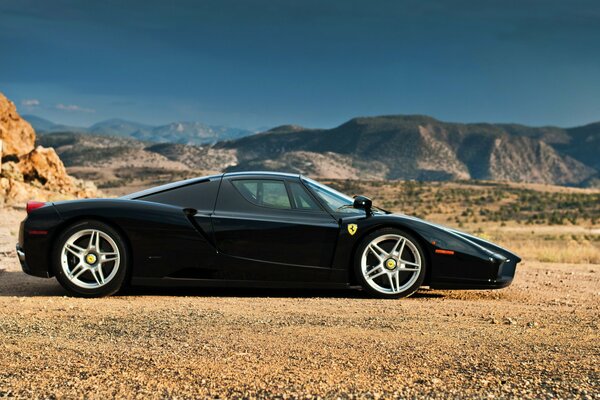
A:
<point x="390" y="263"/>
<point x="90" y="259"/>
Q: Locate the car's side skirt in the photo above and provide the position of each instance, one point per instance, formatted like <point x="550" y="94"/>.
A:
<point x="186" y="282"/>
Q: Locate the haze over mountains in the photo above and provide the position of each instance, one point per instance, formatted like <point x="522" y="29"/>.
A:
<point x="176" y="132"/>
<point x="384" y="147"/>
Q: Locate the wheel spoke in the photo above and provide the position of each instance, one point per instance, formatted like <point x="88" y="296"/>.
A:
<point x="414" y="264"/>
<point x="99" y="278"/>
<point x="78" y="270"/>
<point x="401" y="250"/>
<point x="375" y="272"/>
<point x="411" y="269"/>
<point x="392" y="278"/>
<point x="74" y="249"/>
<point x="92" y="239"/>
<point x="400" y="241"/>
<point x="377" y="251"/>
<point x="100" y="273"/>
<point x="108" y="257"/>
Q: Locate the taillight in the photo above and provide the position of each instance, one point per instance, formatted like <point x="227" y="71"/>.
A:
<point x="34" y="205"/>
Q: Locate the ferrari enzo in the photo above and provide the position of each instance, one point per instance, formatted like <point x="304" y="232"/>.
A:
<point x="257" y="229"/>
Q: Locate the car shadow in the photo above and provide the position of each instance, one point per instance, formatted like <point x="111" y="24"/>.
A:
<point x="19" y="284"/>
<point x="242" y="292"/>
<point x="16" y="283"/>
<point x="260" y="292"/>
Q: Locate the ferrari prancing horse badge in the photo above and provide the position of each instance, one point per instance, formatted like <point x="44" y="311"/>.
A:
<point x="352" y="228"/>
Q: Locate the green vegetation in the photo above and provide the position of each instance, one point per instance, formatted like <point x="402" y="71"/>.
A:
<point x="475" y="202"/>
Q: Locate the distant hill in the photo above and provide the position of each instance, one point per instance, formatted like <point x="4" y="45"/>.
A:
<point x="387" y="147"/>
<point x="99" y="151"/>
<point x="190" y="133"/>
<point x="423" y="148"/>
<point x="113" y="161"/>
<point x="42" y="125"/>
<point x="117" y="127"/>
<point x="176" y="132"/>
<point x="583" y="144"/>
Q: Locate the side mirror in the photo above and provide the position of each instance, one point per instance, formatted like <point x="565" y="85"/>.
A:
<point x="363" y="203"/>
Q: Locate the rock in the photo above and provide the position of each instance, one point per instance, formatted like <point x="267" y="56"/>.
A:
<point x="43" y="165"/>
<point x="84" y="189"/>
<point x="11" y="170"/>
<point x="17" y="135"/>
<point x="29" y="173"/>
<point x="17" y="192"/>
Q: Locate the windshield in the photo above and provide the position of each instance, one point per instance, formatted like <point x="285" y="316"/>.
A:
<point x="334" y="200"/>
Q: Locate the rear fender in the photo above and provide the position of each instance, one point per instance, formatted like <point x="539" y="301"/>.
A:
<point x="36" y="235"/>
<point x="161" y="237"/>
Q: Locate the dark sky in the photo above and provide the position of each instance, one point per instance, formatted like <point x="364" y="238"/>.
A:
<point x="315" y="63"/>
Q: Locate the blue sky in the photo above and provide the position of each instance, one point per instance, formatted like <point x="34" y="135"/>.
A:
<point x="317" y="63"/>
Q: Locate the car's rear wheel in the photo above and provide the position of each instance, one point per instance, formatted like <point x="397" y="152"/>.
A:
<point x="90" y="259"/>
<point x="390" y="263"/>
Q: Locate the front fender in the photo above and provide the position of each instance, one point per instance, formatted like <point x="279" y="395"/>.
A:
<point x="453" y="256"/>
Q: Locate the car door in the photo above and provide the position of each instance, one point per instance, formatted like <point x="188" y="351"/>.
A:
<point x="270" y="228"/>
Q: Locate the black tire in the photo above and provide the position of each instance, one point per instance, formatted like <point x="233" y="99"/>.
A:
<point x="112" y="286"/>
<point x="358" y="267"/>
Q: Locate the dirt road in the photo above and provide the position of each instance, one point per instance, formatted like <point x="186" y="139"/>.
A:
<point x="537" y="338"/>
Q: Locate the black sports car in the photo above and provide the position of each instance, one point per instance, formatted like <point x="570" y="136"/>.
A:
<point x="256" y="229"/>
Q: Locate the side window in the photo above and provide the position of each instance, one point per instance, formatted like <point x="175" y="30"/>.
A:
<point x="263" y="192"/>
<point x="302" y="200"/>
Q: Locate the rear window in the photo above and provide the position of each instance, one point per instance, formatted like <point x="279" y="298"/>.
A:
<point x="200" y="196"/>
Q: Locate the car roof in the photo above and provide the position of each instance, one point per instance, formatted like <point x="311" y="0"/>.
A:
<point x="174" y="185"/>
<point x="261" y="173"/>
<point x="169" y="186"/>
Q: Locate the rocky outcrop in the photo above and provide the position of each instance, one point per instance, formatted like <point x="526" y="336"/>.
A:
<point x="43" y="166"/>
<point x="32" y="173"/>
<point x="522" y="159"/>
<point x="16" y="133"/>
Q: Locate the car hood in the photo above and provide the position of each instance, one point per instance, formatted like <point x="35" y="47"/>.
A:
<point x="450" y="238"/>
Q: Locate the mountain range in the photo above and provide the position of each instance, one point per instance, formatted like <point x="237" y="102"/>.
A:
<point x="423" y="148"/>
<point x="184" y="132"/>
<point x="389" y="147"/>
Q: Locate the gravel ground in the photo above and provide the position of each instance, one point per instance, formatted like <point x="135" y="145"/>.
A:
<point x="536" y="339"/>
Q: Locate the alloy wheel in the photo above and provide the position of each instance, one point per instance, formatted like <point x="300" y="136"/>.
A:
<point x="90" y="258"/>
<point x="390" y="264"/>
